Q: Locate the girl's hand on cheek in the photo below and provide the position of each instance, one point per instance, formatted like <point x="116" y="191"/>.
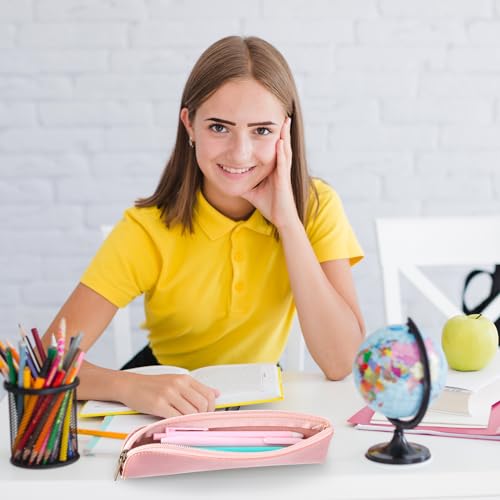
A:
<point x="273" y="196"/>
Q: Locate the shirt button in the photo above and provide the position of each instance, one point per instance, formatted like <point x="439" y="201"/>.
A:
<point x="239" y="286"/>
<point x="238" y="256"/>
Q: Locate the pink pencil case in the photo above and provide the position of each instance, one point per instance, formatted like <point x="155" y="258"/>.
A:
<point x="142" y="456"/>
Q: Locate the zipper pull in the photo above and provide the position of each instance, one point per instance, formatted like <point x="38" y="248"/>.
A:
<point x="121" y="461"/>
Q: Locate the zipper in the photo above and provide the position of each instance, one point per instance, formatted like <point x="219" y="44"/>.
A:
<point x="121" y="461"/>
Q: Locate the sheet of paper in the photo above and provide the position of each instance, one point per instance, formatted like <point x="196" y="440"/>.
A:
<point x="117" y="423"/>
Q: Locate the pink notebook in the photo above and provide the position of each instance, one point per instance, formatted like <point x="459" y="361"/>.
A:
<point x="362" y="420"/>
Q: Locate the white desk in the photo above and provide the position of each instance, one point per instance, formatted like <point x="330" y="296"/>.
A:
<point x="458" y="468"/>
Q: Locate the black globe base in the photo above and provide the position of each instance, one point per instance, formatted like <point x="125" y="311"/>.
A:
<point x="399" y="451"/>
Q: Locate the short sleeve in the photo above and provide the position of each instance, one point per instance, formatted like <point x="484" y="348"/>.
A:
<point x="329" y="230"/>
<point x="127" y="263"/>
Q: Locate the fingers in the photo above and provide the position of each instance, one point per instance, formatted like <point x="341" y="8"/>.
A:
<point x="284" y="147"/>
<point x="208" y="395"/>
<point x="168" y="395"/>
<point x="187" y="395"/>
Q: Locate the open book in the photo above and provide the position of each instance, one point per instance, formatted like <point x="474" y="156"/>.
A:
<point x="470" y="393"/>
<point x="238" y="384"/>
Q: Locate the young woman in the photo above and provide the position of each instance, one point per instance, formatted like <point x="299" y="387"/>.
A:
<point x="234" y="239"/>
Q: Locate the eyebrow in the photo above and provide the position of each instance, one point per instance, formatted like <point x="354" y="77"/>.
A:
<point x="220" y="120"/>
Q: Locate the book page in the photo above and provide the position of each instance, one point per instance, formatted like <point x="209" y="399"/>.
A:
<point x="432" y="432"/>
<point x="443" y="419"/>
<point x="93" y="408"/>
<point x="241" y="384"/>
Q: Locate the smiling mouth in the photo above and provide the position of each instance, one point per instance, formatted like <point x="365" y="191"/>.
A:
<point x="231" y="170"/>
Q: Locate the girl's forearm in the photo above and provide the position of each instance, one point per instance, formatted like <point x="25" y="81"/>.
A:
<point x="331" y="330"/>
<point x="100" y="383"/>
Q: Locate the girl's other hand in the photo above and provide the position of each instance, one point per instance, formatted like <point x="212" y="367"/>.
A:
<point x="166" y="395"/>
<point x="273" y="197"/>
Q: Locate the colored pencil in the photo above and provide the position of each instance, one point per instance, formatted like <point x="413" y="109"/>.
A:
<point x="44" y="421"/>
<point x="104" y="434"/>
<point x="39" y="345"/>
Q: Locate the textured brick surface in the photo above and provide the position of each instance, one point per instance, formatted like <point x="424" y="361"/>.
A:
<point x="401" y="103"/>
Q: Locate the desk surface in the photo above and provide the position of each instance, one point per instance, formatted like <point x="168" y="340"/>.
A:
<point x="458" y="468"/>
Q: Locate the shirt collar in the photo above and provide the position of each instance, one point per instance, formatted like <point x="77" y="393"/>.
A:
<point x="215" y="225"/>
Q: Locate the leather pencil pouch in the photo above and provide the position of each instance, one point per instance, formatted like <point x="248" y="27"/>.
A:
<point x="143" y="455"/>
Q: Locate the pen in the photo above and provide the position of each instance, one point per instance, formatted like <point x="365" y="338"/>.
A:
<point x="229" y="441"/>
<point x="213" y="434"/>
<point x="244" y="449"/>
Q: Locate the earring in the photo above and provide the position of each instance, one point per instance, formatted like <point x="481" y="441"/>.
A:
<point x="191" y="143"/>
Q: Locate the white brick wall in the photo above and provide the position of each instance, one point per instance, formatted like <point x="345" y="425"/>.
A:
<point x="401" y="100"/>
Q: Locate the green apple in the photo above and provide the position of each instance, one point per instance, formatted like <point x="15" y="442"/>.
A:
<point x="469" y="342"/>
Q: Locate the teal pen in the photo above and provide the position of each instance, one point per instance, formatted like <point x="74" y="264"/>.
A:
<point x="244" y="449"/>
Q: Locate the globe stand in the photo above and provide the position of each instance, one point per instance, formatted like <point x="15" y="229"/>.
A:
<point x="399" y="450"/>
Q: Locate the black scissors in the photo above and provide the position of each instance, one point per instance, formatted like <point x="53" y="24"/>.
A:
<point x="494" y="292"/>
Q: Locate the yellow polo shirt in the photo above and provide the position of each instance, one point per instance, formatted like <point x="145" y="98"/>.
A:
<point x="219" y="295"/>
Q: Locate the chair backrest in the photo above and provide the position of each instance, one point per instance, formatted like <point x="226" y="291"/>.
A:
<point x="295" y="352"/>
<point x="120" y="326"/>
<point x="406" y="243"/>
<point x="122" y="335"/>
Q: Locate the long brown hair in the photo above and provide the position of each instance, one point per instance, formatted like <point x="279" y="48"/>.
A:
<point x="229" y="59"/>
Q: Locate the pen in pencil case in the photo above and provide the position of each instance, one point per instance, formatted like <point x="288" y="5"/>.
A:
<point x="229" y="441"/>
<point x="240" y="449"/>
<point x="213" y="434"/>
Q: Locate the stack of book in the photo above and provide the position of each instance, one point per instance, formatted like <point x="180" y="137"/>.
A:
<point x="468" y="407"/>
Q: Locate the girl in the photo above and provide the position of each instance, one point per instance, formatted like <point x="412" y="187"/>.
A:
<point x="235" y="237"/>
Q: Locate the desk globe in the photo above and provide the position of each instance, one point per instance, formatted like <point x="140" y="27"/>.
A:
<point x="398" y="373"/>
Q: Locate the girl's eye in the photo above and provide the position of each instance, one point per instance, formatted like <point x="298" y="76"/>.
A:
<point x="263" y="131"/>
<point x="217" y="127"/>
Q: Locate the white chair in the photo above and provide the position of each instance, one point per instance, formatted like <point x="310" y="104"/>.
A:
<point x="122" y="335"/>
<point x="406" y="243"/>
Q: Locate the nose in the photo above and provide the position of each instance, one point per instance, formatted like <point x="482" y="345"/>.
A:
<point x="241" y="149"/>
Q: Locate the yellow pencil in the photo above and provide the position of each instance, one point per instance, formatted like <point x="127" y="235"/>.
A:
<point x="63" y="453"/>
<point x="104" y="434"/>
<point x="26" y="383"/>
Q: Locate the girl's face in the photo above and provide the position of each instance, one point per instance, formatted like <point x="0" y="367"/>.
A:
<point x="235" y="133"/>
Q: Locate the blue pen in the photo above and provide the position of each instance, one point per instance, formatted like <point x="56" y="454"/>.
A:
<point x="244" y="449"/>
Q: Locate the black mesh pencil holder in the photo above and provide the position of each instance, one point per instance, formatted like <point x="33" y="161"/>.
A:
<point x="43" y="430"/>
